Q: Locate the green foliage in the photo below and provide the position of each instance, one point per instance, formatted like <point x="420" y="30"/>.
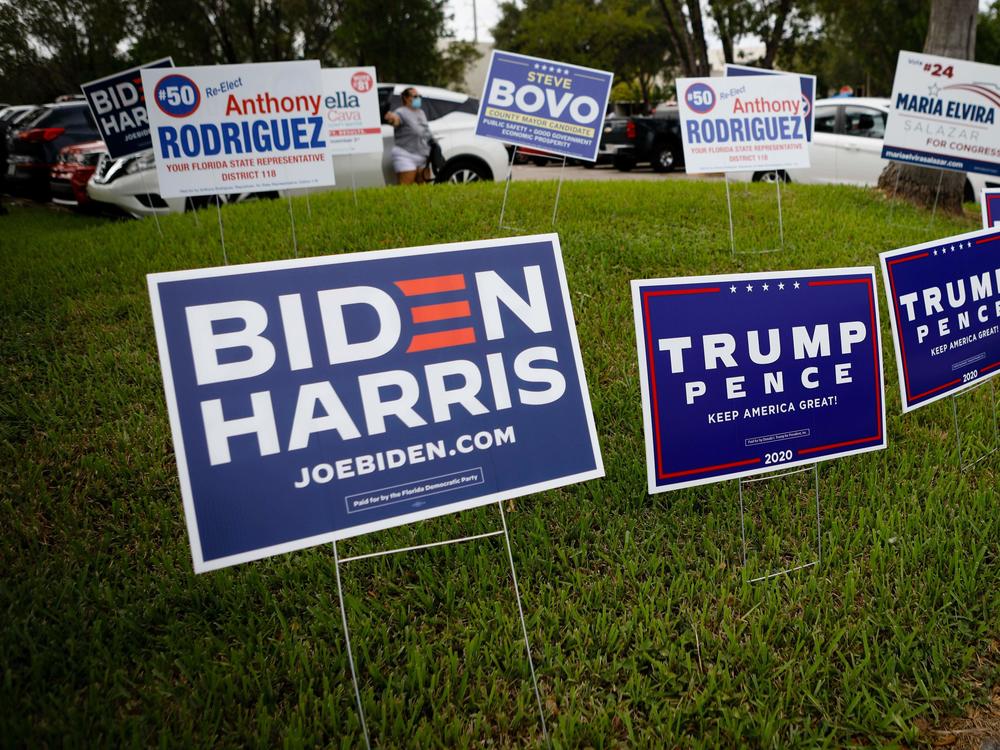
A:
<point x="626" y="37"/>
<point x="988" y="35"/>
<point x="50" y="47"/>
<point x="645" y="629"/>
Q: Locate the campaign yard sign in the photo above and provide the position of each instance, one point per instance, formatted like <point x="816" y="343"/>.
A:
<point x="544" y="104"/>
<point x="944" y="114"/>
<point x="807" y="84"/>
<point x="119" y="109"/>
<point x="350" y="97"/>
<point x="746" y="125"/>
<point x="746" y="373"/>
<point x="944" y="297"/>
<point x="238" y="128"/>
<point x="316" y="399"/>
<point x="991" y="207"/>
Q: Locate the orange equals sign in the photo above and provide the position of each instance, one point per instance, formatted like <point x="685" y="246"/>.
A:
<point x="443" y="311"/>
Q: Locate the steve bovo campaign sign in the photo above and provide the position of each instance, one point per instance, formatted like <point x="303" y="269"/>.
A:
<point x="944" y="297"/>
<point x="316" y="399"/>
<point x="747" y="373"/>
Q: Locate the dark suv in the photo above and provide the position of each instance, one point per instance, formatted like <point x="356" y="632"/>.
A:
<point x="34" y="148"/>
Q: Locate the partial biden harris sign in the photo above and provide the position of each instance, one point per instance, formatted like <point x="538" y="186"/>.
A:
<point x="238" y="128"/>
<point x="316" y="399"/>
<point x="745" y="373"/>
<point x="744" y="124"/>
<point x="119" y="109"/>
<point x="544" y="104"/>
<point x="945" y="302"/>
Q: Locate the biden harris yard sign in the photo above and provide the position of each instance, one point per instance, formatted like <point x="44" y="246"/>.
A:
<point x="745" y="373"/>
<point x="944" y="297"/>
<point x="119" y="109"/>
<point x="944" y="114"/>
<point x="807" y="84"/>
<point x="545" y="105"/>
<point x="742" y="124"/>
<point x="238" y="128"/>
<point x="316" y="399"/>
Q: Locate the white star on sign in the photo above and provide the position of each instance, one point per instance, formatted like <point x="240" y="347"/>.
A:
<point x="732" y="289"/>
<point x="781" y="285"/>
<point x="749" y="287"/>
<point x="796" y="285"/>
<point x="766" y="287"/>
<point x="935" y="252"/>
<point x="933" y="89"/>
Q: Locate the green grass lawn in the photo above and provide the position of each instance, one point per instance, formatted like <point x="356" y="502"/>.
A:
<point x="645" y="629"/>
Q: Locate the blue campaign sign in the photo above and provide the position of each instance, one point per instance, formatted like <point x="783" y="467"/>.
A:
<point x="991" y="207"/>
<point x="806" y="82"/>
<point x="745" y="373"/>
<point x="944" y="297"/>
<point x="119" y="108"/>
<point x="316" y="399"/>
<point x="544" y="104"/>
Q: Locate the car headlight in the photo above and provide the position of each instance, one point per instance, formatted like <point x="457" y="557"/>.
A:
<point x="141" y="163"/>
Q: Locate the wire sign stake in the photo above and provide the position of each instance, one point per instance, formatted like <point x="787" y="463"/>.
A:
<point x="338" y="562"/>
<point x="781" y="222"/>
<point x="958" y="429"/>
<point x="819" y="526"/>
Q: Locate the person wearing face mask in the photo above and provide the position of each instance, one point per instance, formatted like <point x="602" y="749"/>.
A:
<point x="413" y="139"/>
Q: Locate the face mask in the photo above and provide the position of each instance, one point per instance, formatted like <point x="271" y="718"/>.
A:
<point x="417" y="102"/>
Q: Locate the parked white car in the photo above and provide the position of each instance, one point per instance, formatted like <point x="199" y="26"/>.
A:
<point x="130" y="183"/>
<point x="846" y="148"/>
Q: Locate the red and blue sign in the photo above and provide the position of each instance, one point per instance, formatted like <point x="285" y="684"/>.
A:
<point x="544" y="104"/>
<point x="991" y="207"/>
<point x="806" y="82"/>
<point x="119" y="108"/>
<point x="944" y="297"/>
<point x="746" y="373"/>
<point x="316" y="399"/>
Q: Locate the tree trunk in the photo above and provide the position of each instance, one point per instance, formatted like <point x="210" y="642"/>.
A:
<point x="950" y="33"/>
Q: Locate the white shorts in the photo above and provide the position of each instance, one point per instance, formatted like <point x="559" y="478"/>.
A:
<point x="406" y="161"/>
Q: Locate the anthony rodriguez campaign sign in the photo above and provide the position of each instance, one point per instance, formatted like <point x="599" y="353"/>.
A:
<point x="119" y="109"/>
<point x="750" y="123"/>
<point x="350" y="97"/>
<point x="807" y="84"/>
<point x="544" y="104"/>
<point x="991" y="207"/>
<point x="944" y="114"/>
<point x="746" y="373"/>
<point x="944" y="298"/>
<point x="238" y="128"/>
<point x="316" y="399"/>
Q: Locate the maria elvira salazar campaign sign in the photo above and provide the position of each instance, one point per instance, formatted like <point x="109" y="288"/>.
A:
<point x="745" y="373"/>
<point x="316" y="399"/>
<point x="944" y="297"/>
<point x="544" y="104"/>
<point x="743" y="124"/>
<point x="944" y="114"/>
<point x="238" y="128"/>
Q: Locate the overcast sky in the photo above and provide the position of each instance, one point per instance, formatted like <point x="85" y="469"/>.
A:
<point x="488" y="12"/>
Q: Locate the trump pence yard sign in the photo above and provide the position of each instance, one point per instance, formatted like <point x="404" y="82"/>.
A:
<point x="544" y="104"/>
<point x="742" y="124"/>
<point x="316" y="399"/>
<point x="238" y="128"/>
<point x="944" y="297"/>
<point x="746" y="373"/>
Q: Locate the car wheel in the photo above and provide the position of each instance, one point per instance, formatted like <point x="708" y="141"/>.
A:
<point x="588" y="164"/>
<point x="624" y="164"/>
<point x="771" y="177"/>
<point x="968" y="194"/>
<point x="664" y="159"/>
<point x="463" y="171"/>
